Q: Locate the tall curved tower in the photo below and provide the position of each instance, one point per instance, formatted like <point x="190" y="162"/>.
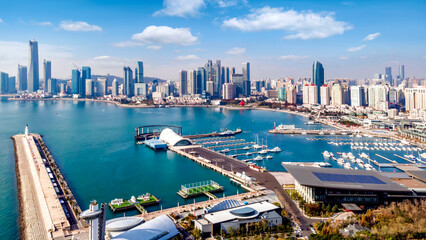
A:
<point x="318" y="76"/>
<point x="33" y="68"/>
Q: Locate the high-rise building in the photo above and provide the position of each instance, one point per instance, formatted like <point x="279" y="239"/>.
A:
<point x="201" y="80"/>
<point x="33" y="68"/>
<point x="101" y="86"/>
<point x="22" y="78"/>
<point x="86" y="73"/>
<point x="291" y="94"/>
<point x="4" y="81"/>
<point x="183" y="80"/>
<point x="192" y="82"/>
<point x="52" y="85"/>
<point x="305" y="91"/>
<point x="62" y="87"/>
<point x="76" y="79"/>
<point x="318" y="75"/>
<point x="415" y="99"/>
<point x="139" y="72"/>
<point x="227" y="80"/>
<point x="325" y="95"/>
<point x="210" y="88"/>
<point x="11" y="85"/>
<point x="310" y="94"/>
<point x="238" y="80"/>
<point x="90" y="87"/>
<point x="114" y="87"/>
<point x="47" y="71"/>
<point x="337" y="95"/>
<point x="229" y="91"/>
<point x="388" y="75"/>
<point x="282" y="94"/>
<point x="378" y="97"/>
<point x="128" y="83"/>
<point x="357" y="96"/>
<point x="141" y="89"/>
<point x="402" y="72"/>
<point x="246" y="79"/>
<point x="216" y="78"/>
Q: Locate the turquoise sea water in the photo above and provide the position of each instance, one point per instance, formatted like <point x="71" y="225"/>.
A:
<point x="94" y="148"/>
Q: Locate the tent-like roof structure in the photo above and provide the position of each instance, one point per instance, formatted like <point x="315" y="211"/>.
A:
<point x="173" y="139"/>
<point x="226" y="204"/>
<point x="159" y="228"/>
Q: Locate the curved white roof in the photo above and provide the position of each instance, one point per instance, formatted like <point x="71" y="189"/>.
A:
<point x="173" y="139"/>
<point x="161" y="228"/>
<point x="122" y="223"/>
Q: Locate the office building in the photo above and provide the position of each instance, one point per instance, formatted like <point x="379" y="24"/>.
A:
<point x="318" y="76"/>
<point x="282" y="94"/>
<point x="192" y="82"/>
<point x="183" y="81"/>
<point x="393" y="97"/>
<point x="210" y="88"/>
<point x="227" y="76"/>
<point x="33" y="67"/>
<point x="229" y="91"/>
<point x="401" y="72"/>
<point x="335" y="186"/>
<point x="52" y="86"/>
<point x="378" y="97"/>
<point x="101" y="88"/>
<point x="22" y="78"/>
<point x="47" y="71"/>
<point x="128" y="83"/>
<point x="201" y="80"/>
<point x="357" y="96"/>
<point x="238" y="80"/>
<point x="62" y="87"/>
<point x="4" y="82"/>
<point x="216" y="78"/>
<point x="291" y="94"/>
<point x="90" y="88"/>
<point x="141" y="90"/>
<point x="337" y="95"/>
<point x="86" y="73"/>
<point x="139" y="72"/>
<point x="11" y="85"/>
<point x="246" y="79"/>
<point x="388" y="75"/>
<point x="325" y="95"/>
<point x="114" y="87"/>
<point x="76" y="79"/>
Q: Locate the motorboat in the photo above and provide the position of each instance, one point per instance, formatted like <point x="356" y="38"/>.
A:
<point x="340" y="161"/>
<point x="226" y="150"/>
<point x="268" y="157"/>
<point x="246" y="148"/>
<point x="249" y="153"/>
<point x="326" y="154"/>
<point x="258" y="158"/>
<point x="347" y="165"/>
<point x="275" y="149"/>
<point x="263" y="151"/>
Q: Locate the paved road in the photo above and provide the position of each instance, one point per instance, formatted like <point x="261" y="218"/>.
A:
<point x="263" y="178"/>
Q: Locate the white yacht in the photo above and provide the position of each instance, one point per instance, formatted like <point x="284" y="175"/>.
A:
<point x="268" y="157"/>
<point x="226" y="150"/>
<point x="258" y="158"/>
<point x="340" y="161"/>
<point x="286" y="127"/>
<point x="326" y="154"/>
<point x="246" y="148"/>
<point x="263" y="151"/>
<point x="347" y="165"/>
<point x="275" y="149"/>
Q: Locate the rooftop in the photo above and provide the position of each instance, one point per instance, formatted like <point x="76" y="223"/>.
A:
<point x="343" y="179"/>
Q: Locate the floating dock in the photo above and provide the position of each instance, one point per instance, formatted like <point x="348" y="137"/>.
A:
<point x="139" y="203"/>
<point x="155" y="144"/>
<point x="200" y="188"/>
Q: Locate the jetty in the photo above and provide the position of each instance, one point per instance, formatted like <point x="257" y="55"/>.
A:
<point x="310" y="132"/>
<point x="139" y="203"/>
<point x="48" y="209"/>
<point x="200" y="188"/>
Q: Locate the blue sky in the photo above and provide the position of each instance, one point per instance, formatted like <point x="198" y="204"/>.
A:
<point x="353" y="39"/>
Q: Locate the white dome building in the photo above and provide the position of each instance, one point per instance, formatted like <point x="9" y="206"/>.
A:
<point x="173" y="139"/>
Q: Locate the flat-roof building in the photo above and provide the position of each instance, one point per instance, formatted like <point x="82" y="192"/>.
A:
<point x="234" y="216"/>
<point x="345" y="186"/>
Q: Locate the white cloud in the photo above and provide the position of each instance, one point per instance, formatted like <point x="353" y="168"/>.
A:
<point x="343" y="58"/>
<point x="230" y="3"/>
<point x="46" y="23"/>
<point x="181" y="8"/>
<point x="372" y="36"/>
<point x="165" y="35"/>
<point x="292" y="57"/>
<point x="102" y="57"/>
<point x="1" y="20"/>
<point x="356" y="49"/>
<point x="128" y="44"/>
<point x="187" y="57"/>
<point x="154" y="47"/>
<point x="347" y="3"/>
<point x="79" y="26"/>
<point x="236" y="51"/>
<point x="300" y="25"/>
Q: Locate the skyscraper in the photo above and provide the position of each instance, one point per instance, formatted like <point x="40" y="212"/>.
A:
<point x="192" y="82"/>
<point x="388" y="75"/>
<point x="201" y="80"/>
<point x="22" y="78"/>
<point x="33" y="71"/>
<point x="246" y="79"/>
<point x="86" y="73"/>
<point x="76" y="79"/>
<point x="216" y="78"/>
<point x="51" y="85"/>
<point x="325" y="95"/>
<point x="402" y="72"/>
<point x="128" y="82"/>
<point x="47" y="71"/>
<point x="90" y="87"/>
<point x="318" y="75"/>
<point x="4" y="81"/>
<point x="357" y="96"/>
<point x="139" y="72"/>
<point x="183" y="80"/>
<point x="101" y="86"/>
<point x="114" y="87"/>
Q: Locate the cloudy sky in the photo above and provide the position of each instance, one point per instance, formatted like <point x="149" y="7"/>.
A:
<point x="280" y="38"/>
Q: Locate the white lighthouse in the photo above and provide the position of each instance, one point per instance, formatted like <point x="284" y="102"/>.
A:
<point x="96" y="219"/>
<point x="26" y="131"/>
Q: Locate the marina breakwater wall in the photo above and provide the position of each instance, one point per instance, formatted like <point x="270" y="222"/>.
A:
<point x="48" y="209"/>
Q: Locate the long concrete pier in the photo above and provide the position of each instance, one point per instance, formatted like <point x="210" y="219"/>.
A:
<point x="47" y="210"/>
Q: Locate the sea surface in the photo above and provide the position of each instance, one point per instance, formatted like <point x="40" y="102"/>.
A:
<point x="93" y="144"/>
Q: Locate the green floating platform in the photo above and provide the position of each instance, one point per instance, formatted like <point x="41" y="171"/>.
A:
<point x="199" y="188"/>
<point x="138" y="203"/>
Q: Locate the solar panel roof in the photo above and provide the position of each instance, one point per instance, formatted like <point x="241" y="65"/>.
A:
<point x="333" y="177"/>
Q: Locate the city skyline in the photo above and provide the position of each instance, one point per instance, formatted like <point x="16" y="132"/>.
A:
<point x="279" y="39"/>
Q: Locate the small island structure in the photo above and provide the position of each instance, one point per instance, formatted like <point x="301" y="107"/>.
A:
<point x="200" y="188"/>
<point x="139" y="203"/>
